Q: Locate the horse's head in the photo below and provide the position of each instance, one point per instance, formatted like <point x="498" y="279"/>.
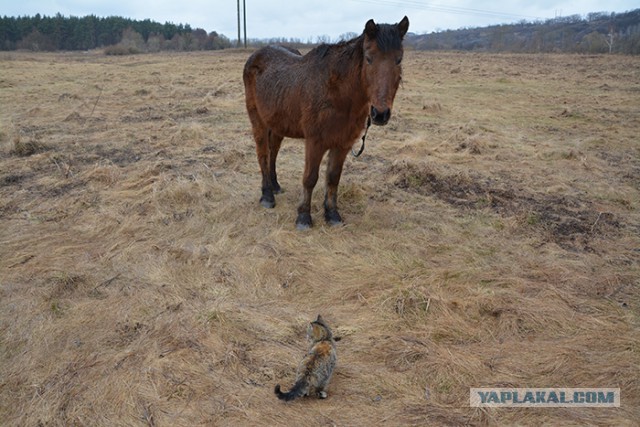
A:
<point x="382" y="67"/>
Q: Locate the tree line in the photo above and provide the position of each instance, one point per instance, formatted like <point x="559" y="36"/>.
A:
<point x="50" y="33"/>
<point x="598" y="32"/>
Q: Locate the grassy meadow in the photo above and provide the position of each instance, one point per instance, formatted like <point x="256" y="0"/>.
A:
<point x="492" y="239"/>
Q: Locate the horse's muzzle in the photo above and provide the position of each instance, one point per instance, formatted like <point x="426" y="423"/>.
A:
<point x="380" y="118"/>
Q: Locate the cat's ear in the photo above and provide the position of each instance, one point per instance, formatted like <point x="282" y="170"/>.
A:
<point x="320" y="319"/>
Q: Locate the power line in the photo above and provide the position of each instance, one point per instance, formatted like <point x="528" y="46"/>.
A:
<point x="448" y="9"/>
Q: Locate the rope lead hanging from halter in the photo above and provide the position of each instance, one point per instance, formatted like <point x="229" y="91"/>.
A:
<point x="363" y="138"/>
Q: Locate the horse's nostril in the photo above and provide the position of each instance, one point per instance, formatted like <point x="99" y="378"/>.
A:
<point x="380" y="117"/>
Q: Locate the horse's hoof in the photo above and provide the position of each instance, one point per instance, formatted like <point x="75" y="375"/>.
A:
<point x="303" y="227"/>
<point x="333" y="218"/>
<point x="267" y="203"/>
<point x="303" y="222"/>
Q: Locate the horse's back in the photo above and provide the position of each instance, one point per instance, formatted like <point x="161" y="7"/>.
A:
<point x="274" y="87"/>
<point x="271" y="56"/>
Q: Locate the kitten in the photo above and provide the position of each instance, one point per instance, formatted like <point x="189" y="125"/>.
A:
<point x="317" y="366"/>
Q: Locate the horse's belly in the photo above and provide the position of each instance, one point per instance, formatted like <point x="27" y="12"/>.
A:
<point x="285" y="119"/>
<point x="282" y="123"/>
<point x="287" y="130"/>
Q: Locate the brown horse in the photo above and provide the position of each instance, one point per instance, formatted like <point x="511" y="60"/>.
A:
<point x="325" y="97"/>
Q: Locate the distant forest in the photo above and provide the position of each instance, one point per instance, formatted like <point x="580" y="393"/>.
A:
<point x="599" y="32"/>
<point x="120" y="35"/>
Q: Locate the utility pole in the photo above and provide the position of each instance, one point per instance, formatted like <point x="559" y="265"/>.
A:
<point x="238" y="44"/>
<point x="244" y="12"/>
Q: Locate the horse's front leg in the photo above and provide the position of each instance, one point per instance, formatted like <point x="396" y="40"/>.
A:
<point x="337" y="157"/>
<point x="313" y="157"/>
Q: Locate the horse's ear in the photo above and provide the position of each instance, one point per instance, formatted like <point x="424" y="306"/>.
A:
<point x="403" y="26"/>
<point x="371" y="29"/>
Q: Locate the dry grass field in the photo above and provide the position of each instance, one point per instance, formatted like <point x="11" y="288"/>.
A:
<point x="492" y="239"/>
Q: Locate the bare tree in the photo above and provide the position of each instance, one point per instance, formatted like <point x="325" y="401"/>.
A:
<point x="609" y="38"/>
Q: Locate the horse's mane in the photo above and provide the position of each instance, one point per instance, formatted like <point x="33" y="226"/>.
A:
<point x="346" y="57"/>
<point x="323" y="50"/>
<point x="341" y="58"/>
<point x="387" y="38"/>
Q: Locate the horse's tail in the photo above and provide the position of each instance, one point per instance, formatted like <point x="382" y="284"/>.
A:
<point x="298" y="390"/>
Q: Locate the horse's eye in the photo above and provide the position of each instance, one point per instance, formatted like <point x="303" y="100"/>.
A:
<point x="369" y="60"/>
<point x="398" y="61"/>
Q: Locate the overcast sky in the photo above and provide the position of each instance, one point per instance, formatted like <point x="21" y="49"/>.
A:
<point x="309" y="19"/>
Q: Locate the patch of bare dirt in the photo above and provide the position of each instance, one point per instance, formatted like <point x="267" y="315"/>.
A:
<point x="566" y="220"/>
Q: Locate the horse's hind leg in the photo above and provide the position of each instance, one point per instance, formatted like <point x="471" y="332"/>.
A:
<point x="337" y="157"/>
<point x="260" y="132"/>
<point x="275" y="141"/>
<point x="261" y="135"/>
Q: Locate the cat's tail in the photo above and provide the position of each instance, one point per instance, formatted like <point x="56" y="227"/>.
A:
<point x="298" y="390"/>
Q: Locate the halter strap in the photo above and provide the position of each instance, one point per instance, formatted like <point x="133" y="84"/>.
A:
<point x="366" y="129"/>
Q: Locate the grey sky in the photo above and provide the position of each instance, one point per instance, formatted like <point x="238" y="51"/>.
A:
<point x="309" y="19"/>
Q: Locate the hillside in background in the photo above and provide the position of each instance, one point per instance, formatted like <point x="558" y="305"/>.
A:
<point x="599" y="32"/>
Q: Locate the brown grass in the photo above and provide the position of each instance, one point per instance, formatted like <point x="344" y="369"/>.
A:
<point x="492" y="239"/>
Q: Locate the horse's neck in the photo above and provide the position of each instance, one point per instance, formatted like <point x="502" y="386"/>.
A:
<point x="347" y="69"/>
<point x="350" y="56"/>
